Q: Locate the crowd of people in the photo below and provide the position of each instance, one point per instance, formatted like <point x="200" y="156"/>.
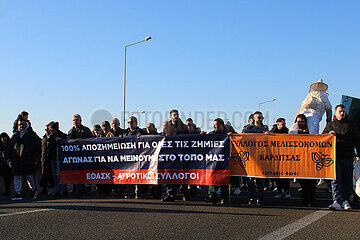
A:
<point x="24" y="152"/>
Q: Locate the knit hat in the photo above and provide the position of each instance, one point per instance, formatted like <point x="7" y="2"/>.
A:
<point x="4" y="135"/>
<point x="228" y="123"/>
<point x="48" y="125"/>
<point x="105" y="123"/>
<point x="55" y="126"/>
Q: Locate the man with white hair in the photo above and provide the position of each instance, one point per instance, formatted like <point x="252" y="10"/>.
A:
<point x="115" y="130"/>
<point x="79" y="131"/>
<point x="314" y="106"/>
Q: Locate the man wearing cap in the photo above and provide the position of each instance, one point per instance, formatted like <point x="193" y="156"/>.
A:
<point x="97" y="132"/>
<point x="47" y="178"/>
<point x="56" y="134"/>
<point x="105" y="127"/>
<point x="314" y="106"/>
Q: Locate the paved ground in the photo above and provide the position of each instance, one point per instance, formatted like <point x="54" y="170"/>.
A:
<point x="109" y="218"/>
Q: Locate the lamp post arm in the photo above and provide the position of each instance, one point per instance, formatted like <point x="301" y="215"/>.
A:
<point x="134" y="43"/>
<point x="266" y="102"/>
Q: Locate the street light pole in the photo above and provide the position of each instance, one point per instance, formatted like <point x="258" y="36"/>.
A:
<point x="124" y="126"/>
<point x="272" y="100"/>
<point x="145" y="40"/>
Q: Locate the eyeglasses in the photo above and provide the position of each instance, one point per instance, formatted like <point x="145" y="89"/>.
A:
<point x="130" y="122"/>
<point x="22" y="124"/>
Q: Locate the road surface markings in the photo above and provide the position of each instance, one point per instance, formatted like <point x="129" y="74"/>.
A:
<point x="25" y="212"/>
<point x="292" y="228"/>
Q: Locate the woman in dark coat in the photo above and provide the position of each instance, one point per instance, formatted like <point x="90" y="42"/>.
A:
<point x="5" y="170"/>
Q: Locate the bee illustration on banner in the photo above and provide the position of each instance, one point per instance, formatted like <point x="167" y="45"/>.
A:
<point x="240" y="158"/>
<point x="321" y="160"/>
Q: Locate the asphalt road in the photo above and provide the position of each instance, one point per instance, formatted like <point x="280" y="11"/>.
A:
<point x="110" y="218"/>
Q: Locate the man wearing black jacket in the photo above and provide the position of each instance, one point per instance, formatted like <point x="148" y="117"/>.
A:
<point x="347" y="138"/>
<point x="173" y="127"/>
<point x="133" y="130"/>
<point x="219" y="128"/>
<point x="24" y="115"/>
<point x="47" y="179"/>
<point x="22" y="155"/>
<point x="56" y="134"/>
<point x="5" y="170"/>
<point x="257" y="127"/>
<point x="79" y="131"/>
<point x="282" y="184"/>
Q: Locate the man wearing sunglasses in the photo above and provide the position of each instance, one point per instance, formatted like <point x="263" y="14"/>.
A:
<point x="133" y="130"/>
<point x="258" y="127"/>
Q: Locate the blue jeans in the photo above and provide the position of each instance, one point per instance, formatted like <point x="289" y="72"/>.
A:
<point x="55" y="166"/>
<point x="341" y="186"/>
<point x="18" y="183"/>
<point x="260" y="187"/>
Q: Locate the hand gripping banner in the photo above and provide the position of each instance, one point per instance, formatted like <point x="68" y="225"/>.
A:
<point x="179" y="159"/>
<point x="283" y="156"/>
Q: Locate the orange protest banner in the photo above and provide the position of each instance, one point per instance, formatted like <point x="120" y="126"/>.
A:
<point x="283" y="156"/>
